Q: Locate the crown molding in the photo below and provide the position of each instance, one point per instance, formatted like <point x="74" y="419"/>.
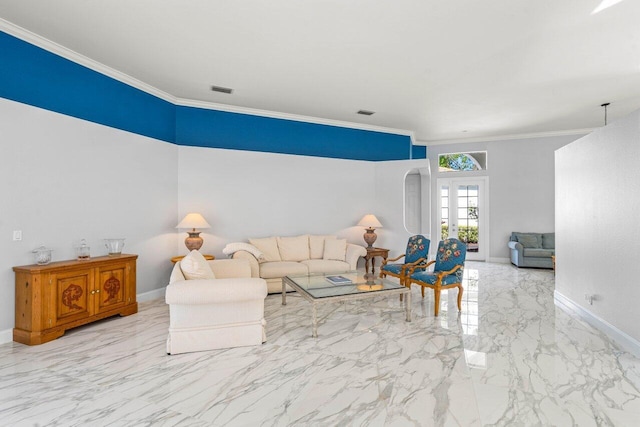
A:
<point x="508" y="137"/>
<point x="288" y="116"/>
<point x="55" y="48"/>
<point x="73" y="56"/>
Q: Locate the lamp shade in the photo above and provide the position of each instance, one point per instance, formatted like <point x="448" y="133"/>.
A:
<point x="370" y="221"/>
<point x="193" y="220"/>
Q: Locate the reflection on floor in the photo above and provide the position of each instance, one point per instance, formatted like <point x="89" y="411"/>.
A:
<point x="510" y="358"/>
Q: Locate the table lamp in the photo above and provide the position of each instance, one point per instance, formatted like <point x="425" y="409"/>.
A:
<point x="193" y="221"/>
<point x="370" y="221"/>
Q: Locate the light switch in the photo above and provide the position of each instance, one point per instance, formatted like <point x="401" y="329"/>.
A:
<point x="17" y="235"/>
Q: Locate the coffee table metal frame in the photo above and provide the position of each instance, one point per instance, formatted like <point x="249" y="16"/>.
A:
<point x="338" y="298"/>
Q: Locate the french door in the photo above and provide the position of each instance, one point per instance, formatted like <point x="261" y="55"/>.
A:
<point x="463" y="214"/>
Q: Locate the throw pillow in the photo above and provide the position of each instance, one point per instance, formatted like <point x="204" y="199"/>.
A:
<point x="269" y="247"/>
<point x="532" y="241"/>
<point x="294" y="248"/>
<point x="194" y="266"/>
<point x="316" y="246"/>
<point x="335" y="249"/>
<point x="232" y="248"/>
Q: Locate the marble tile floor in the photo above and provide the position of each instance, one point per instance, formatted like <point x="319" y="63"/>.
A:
<point x="510" y="358"/>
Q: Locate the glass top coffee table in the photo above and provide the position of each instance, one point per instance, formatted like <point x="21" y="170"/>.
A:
<point x="326" y="288"/>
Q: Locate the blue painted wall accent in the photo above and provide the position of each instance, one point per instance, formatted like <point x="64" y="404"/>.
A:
<point x="419" y="151"/>
<point x="34" y="76"/>
<point x="220" y="129"/>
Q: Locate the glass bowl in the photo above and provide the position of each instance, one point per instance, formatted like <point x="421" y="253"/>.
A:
<point x="43" y="255"/>
<point x="114" y="246"/>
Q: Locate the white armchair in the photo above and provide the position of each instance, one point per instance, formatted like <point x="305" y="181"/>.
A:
<point x="208" y="314"/>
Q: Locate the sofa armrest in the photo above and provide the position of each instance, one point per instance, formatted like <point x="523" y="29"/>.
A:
<point x="354" y="252"/>
<point x="516" y="246"/>
<point x="176" y="274"/>
<point x="228" y="268"/>
<point x="206" y="291"/>
<point x="253" y="261"/>
<point x="517" y="253"/>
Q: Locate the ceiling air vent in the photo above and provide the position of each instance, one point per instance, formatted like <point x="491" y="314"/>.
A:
<point x="221" y="89"/>
<point x="366" y="112"/>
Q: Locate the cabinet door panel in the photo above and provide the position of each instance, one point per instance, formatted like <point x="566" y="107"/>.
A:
<point x="73" y="292"/>
<point x="111" y="283"/>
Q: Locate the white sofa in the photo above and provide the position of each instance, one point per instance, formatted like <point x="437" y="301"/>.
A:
<point x="212" y="313"/>
<point x="272" y="258"/>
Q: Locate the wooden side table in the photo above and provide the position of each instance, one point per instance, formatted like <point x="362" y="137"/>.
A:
<point x="370" y="256"/>
<point x="179" y="257"/>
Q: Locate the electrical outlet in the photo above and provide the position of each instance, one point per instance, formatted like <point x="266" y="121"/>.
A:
<point x="17" y="235"/>
<point x="589" y="298"/>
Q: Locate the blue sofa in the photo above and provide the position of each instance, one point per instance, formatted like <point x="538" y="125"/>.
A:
<point x="532" y="249"/>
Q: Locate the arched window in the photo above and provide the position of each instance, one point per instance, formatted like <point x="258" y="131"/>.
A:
<point x="462" y="162"/>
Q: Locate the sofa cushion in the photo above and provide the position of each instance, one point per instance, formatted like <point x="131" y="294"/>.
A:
<point x="194" y="267"/>
<point x="326" y="266"/>
<point x="316" y="246"/>
<point x="529" y="240"/>
<point x="272" y="270"/>
<point x="430" y="278"/>
<point x="335" y="249"/>
<point x="392" y="268"/>
<point x="538" y="252"/>
<point x="269" y="247"/>
<point x="294" y="248"/>
<point x="549" y="240"/>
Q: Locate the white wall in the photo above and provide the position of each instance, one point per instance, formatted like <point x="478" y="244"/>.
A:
<point x="245" y="194"/>
<point x="251" y="194"/>
<point x="521" y="185"/>
<point x="597" y="210"/>
<point x="63" y="179"/>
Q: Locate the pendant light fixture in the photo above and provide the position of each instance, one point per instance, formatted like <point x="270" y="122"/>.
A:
<point x="605" y="105"/>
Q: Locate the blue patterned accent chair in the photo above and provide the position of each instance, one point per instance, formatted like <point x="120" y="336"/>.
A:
<point x="416" y="254"/>
<point x="447" y="272"/>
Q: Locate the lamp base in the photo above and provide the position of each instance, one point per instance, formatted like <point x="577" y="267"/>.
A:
<point x="370" y="237"/>
<point x="194" y="241"/>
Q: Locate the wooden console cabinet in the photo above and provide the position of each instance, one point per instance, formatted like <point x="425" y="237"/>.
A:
<point x="62" y="295"/>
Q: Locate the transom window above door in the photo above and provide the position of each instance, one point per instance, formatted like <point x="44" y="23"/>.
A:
<point x="462" y="162"/>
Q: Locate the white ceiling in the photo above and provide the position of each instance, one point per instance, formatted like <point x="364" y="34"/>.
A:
<point x="444" y="69"/>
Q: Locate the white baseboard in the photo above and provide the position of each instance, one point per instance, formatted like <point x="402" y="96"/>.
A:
<point x="6" y="336"/>
<point x="151" y="295"/>
<point x="627" y="342"/>
<point x="499" y="260"/>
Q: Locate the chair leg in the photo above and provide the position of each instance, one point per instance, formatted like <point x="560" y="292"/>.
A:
<point x="460" y="297"/>
<point x="422" y="290"/>
<point x="436" y="301"/>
